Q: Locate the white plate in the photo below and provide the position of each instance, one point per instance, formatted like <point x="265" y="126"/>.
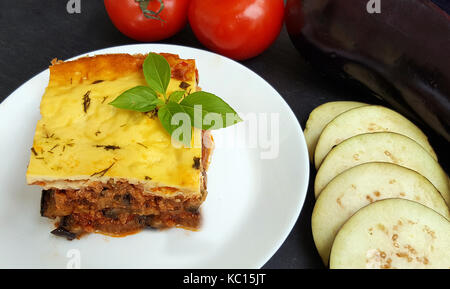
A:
<point x="251" y="207"/>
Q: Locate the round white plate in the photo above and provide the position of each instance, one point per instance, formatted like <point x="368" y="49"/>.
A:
<point x="255" y="189"/>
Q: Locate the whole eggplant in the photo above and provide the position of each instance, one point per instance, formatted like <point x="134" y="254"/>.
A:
<point x="402" y="54"/>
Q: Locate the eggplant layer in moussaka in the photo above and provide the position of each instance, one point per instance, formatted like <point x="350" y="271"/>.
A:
<point x="111" y="170"/>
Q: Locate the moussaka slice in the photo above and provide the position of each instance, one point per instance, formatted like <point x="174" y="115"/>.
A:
<point x="110" y="170"/>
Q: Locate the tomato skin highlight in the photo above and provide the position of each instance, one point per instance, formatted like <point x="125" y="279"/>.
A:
<point x="239" y="29"/>
<point x="129" y="19"/>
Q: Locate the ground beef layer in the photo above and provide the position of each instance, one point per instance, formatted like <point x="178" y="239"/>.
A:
<point x="117" y="208"/>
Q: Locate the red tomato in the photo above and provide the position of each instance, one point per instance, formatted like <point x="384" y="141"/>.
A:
<point x="239" y="29"/>
<point x="129" y="18"/>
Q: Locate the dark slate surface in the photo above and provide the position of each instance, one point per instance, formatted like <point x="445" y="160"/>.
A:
<point x="34" y="32"/>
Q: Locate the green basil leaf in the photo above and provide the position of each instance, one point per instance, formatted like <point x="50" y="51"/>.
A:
<point x="176" y="96"/>
<point x="170" y="115"/>
<point x="209" y="107"/>
<point x="157" y="72"/>
<point x="139" y="98"/>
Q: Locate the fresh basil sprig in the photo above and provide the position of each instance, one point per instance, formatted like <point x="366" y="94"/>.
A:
<point x="202" y="109"/>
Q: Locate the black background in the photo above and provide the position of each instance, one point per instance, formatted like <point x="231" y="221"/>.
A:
<point x="34" y="32"/>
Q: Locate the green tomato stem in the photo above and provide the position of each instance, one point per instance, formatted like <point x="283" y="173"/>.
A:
<point x="149" y="13"/>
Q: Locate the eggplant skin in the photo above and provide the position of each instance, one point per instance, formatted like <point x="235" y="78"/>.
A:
<point x="45" y="197"/>
<point x="393" y="54"/>
<point x="62" y="232"/>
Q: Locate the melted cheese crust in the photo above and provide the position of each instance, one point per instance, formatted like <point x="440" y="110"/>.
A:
<point x="74" y="146"/>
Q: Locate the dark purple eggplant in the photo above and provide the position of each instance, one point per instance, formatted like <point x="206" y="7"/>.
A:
<point x="401" y="55"/>
<point x="64" y="229"/>
<point x="62" y="232"/>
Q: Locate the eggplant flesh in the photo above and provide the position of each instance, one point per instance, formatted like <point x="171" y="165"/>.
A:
<point x="401" y="55"/>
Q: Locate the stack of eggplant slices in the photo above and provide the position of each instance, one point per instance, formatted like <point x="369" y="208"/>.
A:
<point x="382" y="199"/>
